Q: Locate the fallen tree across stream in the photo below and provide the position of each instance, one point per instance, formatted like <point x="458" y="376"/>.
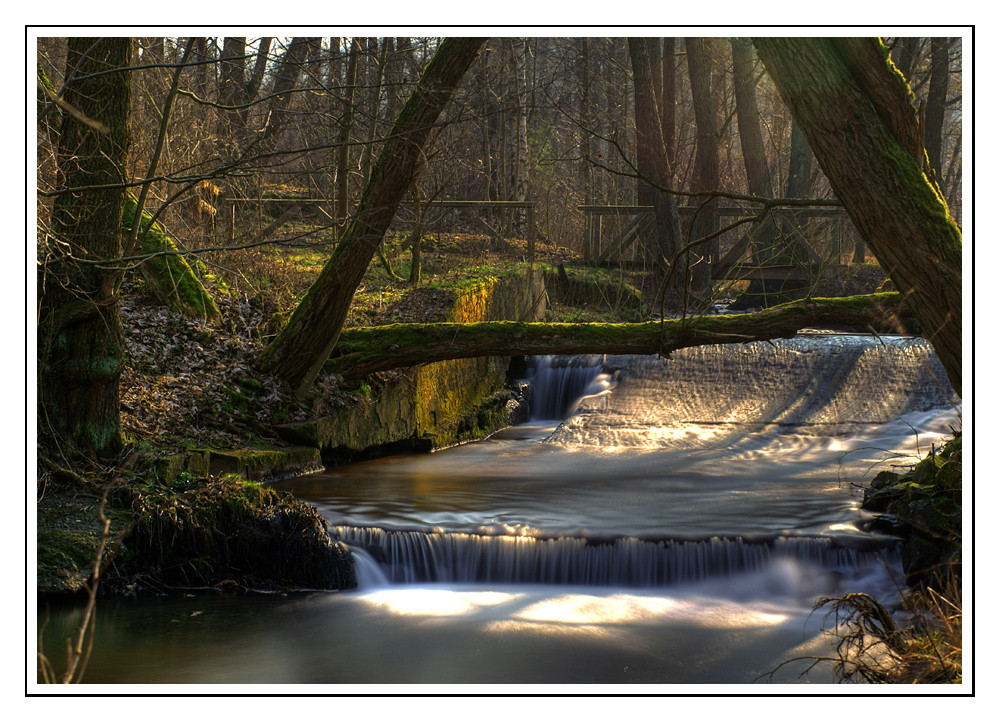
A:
<point x="363" y="351"/>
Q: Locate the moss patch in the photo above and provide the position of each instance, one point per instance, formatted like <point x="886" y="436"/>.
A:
<point x="924" y="507"/>
<point x="67" y="537"/>
<point x="169" y="275"/>
<point x="230" y="532"/>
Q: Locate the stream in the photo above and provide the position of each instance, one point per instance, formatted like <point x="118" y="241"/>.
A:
<point x="658" y="522"/>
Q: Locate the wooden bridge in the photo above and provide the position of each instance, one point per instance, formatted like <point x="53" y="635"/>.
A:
<point x="729" y="256"/>
<point x="611" y="233"/>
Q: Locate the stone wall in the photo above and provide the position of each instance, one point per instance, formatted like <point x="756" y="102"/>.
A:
<point x="435" y="405"/>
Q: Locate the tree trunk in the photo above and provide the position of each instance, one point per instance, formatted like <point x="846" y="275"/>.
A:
<point x="706" y="220"/>
<point x="363" y="351"/>
<point x="344" y="137"/>
<point x="748" y="119"/>
<point x="260" y="64"/>
<point x="905" y="55"/>
<point x="522" y="172"/>
<point x="647" y="124"/>
<point x="799" y="182"/>
<point x="381" y="53"/>
<point x="655" y="171"/>
<point x="937" y="97"/>
<point x="286" y="78"/>
<point x="298" y="353"/>
<point x="232" y="86"/>
<point x="669" y="94"/>
<point x="764" y="237"/>
<point x="80" y="340"/>
<point x="854" y="108"/>
<point x="585" y="134"/>
<point x="585" y="168"/>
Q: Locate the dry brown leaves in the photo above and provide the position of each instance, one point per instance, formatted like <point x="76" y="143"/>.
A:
<point x="189" y="384"/>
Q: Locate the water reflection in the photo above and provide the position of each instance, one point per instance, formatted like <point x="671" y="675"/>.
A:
<point x="457" y="635"/>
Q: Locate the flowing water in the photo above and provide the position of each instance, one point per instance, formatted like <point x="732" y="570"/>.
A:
<point x="676" y="528"/>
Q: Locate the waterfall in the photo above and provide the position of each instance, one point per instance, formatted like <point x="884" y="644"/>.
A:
<point x="728" y="462"/>
<point x="409" y="557"/>
<point x="560" y="383"/>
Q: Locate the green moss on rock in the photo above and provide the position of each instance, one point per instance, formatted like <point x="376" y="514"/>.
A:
<point x="438" y="404"/>
<point x="924" y="507"/>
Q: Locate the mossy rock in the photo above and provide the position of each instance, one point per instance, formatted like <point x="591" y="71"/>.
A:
<point x="230" y="532"/>
<point x="923" y="506"/>
<point x="261" y="465"/>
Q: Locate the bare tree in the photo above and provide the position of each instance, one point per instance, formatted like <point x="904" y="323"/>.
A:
<point x="654" y="169"/>
<point x="706" y="220"/>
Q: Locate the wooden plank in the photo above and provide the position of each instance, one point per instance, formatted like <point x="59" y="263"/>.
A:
<point x="724" y="211"/>
<point x="635" y="228"/>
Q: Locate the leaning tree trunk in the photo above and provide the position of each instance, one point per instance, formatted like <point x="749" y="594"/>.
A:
<point x="80" y="340"/>
<point x="298" y="353"/>
<point x="855" y="109"/>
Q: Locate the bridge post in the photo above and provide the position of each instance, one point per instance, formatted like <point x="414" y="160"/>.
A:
<point x="531" y="231"/>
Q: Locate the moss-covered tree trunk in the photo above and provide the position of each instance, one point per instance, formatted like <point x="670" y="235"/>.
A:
<point x="167" y="272"/>
<point x="80" y="340"/>
<point x="855" y="109"/>
<point x="364" y="351"/>
<point x="298" y="353"/>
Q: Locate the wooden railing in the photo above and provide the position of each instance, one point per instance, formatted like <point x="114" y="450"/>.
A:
<point x="599" y="249"/>
<point x="472" y="211"/>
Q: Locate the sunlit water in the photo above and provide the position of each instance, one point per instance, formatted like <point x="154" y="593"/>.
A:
<point x="677" y="529"/>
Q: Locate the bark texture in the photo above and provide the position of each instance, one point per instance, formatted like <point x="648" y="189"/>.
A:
<point x="937" y="99"/>
<point x="854" y="108"/>
<point x="80" y="340"/>
<point x="298" y="353"/>
<point x="653" y="166"/>
<point x="707" y="173"/>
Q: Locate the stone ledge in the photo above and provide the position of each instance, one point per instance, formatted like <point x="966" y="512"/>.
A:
<point x="260" y="465"/>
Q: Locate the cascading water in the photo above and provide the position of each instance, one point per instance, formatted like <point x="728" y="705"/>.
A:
<point x="560" y="384"/>
<point x="422" y="557"/>
<point x="658" y="521"/>
<point x="723" y="460"/>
